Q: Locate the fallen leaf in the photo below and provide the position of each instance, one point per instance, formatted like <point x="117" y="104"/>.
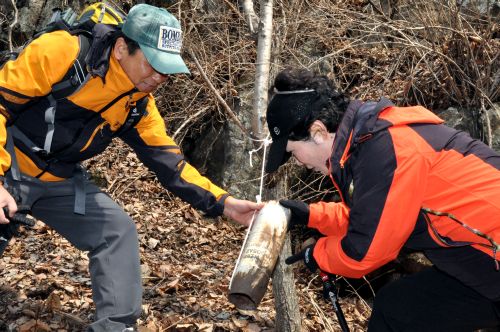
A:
<point x="205" y="327"/>
<point x="251" y="328"/>
<point x="152" y="243"/>
<point x="53" y="302"/>
<point x="239" y="322"/>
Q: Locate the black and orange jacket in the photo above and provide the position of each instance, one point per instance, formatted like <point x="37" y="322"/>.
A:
<point x="26" y="81"/>
<point x="389" y="164"/>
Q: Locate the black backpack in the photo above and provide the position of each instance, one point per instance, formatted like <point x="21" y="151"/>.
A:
<point x="81" y="25"/>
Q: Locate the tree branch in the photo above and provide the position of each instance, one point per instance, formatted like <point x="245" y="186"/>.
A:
<point x="251" y="18"/>
<point x="12" y="25"/>
<point x="221" y="100"/>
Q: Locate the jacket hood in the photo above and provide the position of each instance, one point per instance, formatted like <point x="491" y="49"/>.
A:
<point x="363" y="119"/>
<point x="371" y="117"/>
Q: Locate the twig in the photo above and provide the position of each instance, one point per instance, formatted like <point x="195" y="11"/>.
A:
<point x="180" y="320"/>
<point x="376" y="8"/>
<point x="189" y="119"/>
<point x="488" y="124"/>
<point x="324" y="320"/>
<point x="234" y="9"/>
<point x="217" y="94"/>
<point x="74" y="319"/>
<point x="130" y="182"/>
<point x="11" y="26"/>
<point x="181" y="208"/>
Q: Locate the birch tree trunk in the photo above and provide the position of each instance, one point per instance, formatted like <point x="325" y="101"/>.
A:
<point x="287" y="313"/>
<point x="285" y="297"/>
<point x="262" y="66"/>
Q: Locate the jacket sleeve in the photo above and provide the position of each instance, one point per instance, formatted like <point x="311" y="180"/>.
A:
<point x="162" y="156"/>
<point x="42" y="63"/>
<point x="389" y="182"/>
<point x="329" y="218"/>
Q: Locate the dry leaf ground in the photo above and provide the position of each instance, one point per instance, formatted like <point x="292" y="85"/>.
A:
<point x="187" y="261"/>
<point x="415" y="55"/>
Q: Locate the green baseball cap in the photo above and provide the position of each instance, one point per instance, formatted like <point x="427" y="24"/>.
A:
<point x="159" y="36"/>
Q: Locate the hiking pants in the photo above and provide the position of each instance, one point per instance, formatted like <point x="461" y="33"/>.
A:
<point x="106" y="232"/>
<point x="432" y="301"/>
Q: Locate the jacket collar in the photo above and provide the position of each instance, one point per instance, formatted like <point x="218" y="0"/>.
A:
<point x="103" y="64"/>
<point x="359" y="120"/>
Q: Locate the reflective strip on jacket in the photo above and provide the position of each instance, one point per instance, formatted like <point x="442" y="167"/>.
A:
<point x="23" y="83"/>
<point x="388" y="165"/>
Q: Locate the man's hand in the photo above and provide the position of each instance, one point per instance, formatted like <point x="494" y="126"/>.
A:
<point x="240" y="210"/>
<point x="307" y="256"/>
<point x="6" y="201"/>
<point x="299" y="210"/>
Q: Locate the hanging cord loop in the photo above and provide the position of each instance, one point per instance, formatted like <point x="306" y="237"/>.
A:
<point x="494" y="246"/>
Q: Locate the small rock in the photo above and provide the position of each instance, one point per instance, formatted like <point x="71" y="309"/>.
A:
<point x="223" y="315"/>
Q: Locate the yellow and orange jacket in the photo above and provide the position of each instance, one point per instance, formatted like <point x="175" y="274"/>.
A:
<point x="391" y="166"/>
<point x="87" y="119"/>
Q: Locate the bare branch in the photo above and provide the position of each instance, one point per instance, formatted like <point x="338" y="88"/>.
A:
<point x="226" y="107"/>
<point x="251" y="18"/>
<point x="12" y="25"/>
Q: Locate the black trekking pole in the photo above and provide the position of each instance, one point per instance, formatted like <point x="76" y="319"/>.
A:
<point x="7" y="231"/>
<point x="330" y="292"/>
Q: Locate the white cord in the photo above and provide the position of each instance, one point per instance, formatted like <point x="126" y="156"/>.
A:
<point x="265" y="143"/>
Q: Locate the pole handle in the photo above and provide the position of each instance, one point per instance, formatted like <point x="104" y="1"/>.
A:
<point x="330" y="292"/>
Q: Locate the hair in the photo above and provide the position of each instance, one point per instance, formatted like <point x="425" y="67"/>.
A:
<point x="132" y="45"/>
<point x="334" y="102"/>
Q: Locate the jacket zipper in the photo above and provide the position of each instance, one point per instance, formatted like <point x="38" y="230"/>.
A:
<point x="91" y="138"/>
<point x="333" y="181"/>
<point x="346" y="154"/>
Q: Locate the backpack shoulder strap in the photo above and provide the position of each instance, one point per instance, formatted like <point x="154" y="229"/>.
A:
<point x="71" y="81"/>
<point x="76" y="75"/>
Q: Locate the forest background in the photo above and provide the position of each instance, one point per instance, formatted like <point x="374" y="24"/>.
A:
<point x="442" y="54"/>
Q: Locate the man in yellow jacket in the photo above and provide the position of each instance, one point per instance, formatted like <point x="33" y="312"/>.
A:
<point x="52" y="134"/>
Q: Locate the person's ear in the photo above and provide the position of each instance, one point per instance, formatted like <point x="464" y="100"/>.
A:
<point x="317" y="137"/>
<point x="121" y="49"/>
<point x="318" y="132"/>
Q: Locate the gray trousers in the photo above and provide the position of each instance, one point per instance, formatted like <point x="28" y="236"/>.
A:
<point x="105" y="231"/>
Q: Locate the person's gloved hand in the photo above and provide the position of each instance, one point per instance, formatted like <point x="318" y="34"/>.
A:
<point x="307" y="256"/>
<point x="299" y="210"/>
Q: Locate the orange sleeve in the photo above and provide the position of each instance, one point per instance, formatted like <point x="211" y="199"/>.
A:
<point x="388" y="194"/>
<point x="329" y="218"/>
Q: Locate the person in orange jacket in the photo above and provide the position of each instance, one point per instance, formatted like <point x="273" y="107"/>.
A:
<point x="52" y="135"/>
<point x="405" y="181"/>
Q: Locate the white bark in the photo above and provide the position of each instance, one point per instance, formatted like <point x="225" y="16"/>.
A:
<point x="250" y="16"/>
<point x="12" y="25"/>
<point x="262" y="66"/>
